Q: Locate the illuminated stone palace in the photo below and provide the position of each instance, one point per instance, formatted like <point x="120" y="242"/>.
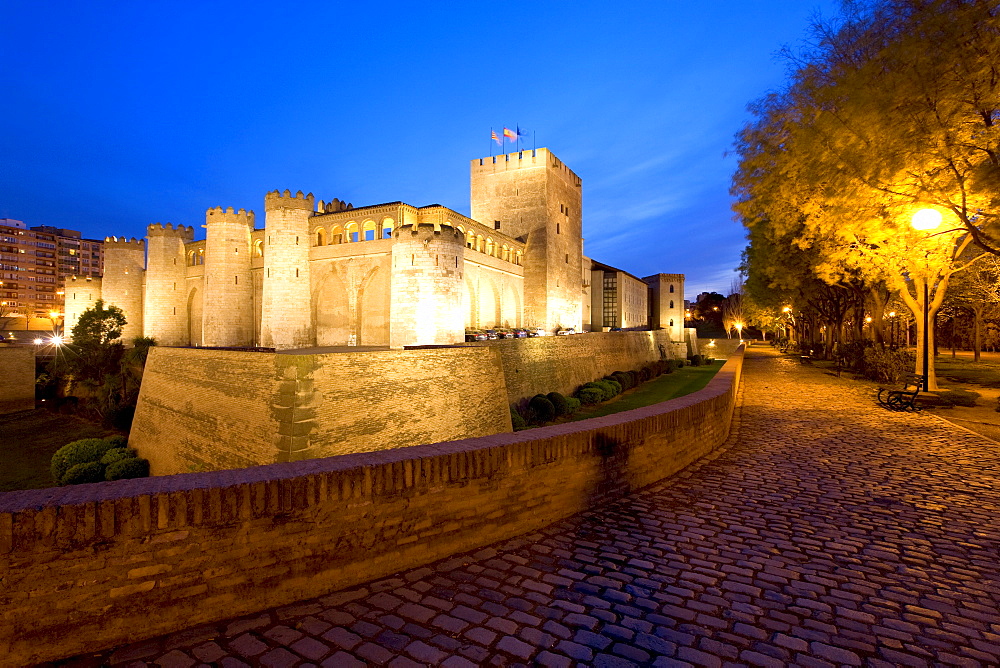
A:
<point x="330" y="274"/>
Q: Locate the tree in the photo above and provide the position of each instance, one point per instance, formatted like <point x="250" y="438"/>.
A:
<point x="890" y="110"/>
<point x="99" y="325"/>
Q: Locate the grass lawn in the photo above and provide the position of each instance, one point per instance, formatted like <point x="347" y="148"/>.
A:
<point x="668" y="386"/>
<point x="27" y="441"/>
<point x="959" y="370"/>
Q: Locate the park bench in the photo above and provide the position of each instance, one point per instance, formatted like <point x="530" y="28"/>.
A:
<point x="904" y="399"/>
<point x="806" y="358"/>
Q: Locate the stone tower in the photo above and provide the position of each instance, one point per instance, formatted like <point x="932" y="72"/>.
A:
<point x="666" y="303"/>
<point x="286" y="313"/>
<point x="228" y="298"/>
<point x="81" y="294"/>
<point x="124" y="266"/>
<point x="532" y="195"/>
<point x="165" y="312"/>
<point x="425" y="303"/>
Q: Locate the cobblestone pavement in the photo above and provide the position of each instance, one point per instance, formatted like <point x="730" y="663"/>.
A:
<point x="830" y="532"/>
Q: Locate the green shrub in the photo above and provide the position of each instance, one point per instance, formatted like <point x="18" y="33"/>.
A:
<point x="884" y="366"/>
<point x="117" y="441"/>
<point x="610" y="388"/>
<point x="117" y="454"/>
<point x="622" y="378"/>
<point x="82" y="473"/>
<point x="590" y="395"/>
<point x="127" y="468"/>
<point x="542" y="408"/>
<point x="697" y="360"/>
<point x="679" y="363"/>
<point x="558" y="402"/>
<point x="516" y="421"/>
<point x="572" y="405"/>
<point x="84" y="451"/>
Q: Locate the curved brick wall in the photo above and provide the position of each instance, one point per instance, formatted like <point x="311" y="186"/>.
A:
<point x="89" y="567"/>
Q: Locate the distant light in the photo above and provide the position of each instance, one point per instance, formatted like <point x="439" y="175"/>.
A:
<point x="786" y="309"/>
<point x="38" y="342"/>
<point x="926" y="219"/>
<point x="868" y="319"/>
<point x="892" y="314"/>
<point x="56" y="340"/>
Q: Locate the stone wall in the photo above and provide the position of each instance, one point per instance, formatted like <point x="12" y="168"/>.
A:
<point x="17" y="381"/>
<point x="202" y="410"/>
<point x="718" y="348"/>
<point x="83" y="567"/>
<point x="562" y="363"/>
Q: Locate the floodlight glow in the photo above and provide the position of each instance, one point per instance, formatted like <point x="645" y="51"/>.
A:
<point x="56" y="340"/>
<point x="926" y="219"/>
<point x="38" y="342"/>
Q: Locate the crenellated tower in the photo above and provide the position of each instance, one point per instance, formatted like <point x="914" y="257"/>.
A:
<point x="425" y="304"/>
<point x="124" y="269"/>
<point x="228" y="298"/>
<point x="286" y="319"/>
<point x="532" y="195"/>
<point x="165" y="309"/>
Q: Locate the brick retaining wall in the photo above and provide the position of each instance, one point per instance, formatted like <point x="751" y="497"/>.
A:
<point x="17" y="379"/>
<point x="93" y="566"/>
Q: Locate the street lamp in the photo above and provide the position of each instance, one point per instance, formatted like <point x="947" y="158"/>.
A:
<point x="926" y="220"/>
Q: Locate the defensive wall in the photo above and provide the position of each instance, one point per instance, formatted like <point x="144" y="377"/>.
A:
<point x="17" y="380"/>
<point x="92" y="566"/>
<point x="563" y="363"/>
<point x="206" y="410"/>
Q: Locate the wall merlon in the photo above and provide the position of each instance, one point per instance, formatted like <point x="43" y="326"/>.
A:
<point x="168" y="230"/>
<point x="277" y="200"/>
<point x="124" y="242"/>
<point x="241" y="216"/>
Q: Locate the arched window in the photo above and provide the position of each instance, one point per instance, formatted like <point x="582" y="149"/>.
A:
<point x="258" y="248"/>
<point x="671" y="303"/>
<point x="671" y="322"/>
<point x="321" y="237"/>
<point x="489" y="245"/>
<point x="387" y="224"/>
<point x="336" y="235"/>
<point x="352" y="231"/>
<point x="517" y="258"/>
<point x="671" y="288"/>
<point x="480" y="244"/>
<point x="201" y="256"/>
<point x="505" y="253"/>
<point x="368" y="231"/>
<point x="191" y="258"/>
<point x="470" y="239"/>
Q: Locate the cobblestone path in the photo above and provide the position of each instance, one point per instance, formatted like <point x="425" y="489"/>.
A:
<point x="830" y="532"/>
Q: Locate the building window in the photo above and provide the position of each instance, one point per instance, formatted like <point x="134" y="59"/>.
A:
<point x="671" y="288"/>
<point x="671" y="303"/>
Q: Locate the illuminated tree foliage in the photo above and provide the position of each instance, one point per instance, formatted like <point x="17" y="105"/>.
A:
<point x="891" y="109"/>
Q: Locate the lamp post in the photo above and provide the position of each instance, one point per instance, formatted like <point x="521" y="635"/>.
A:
<point x="926" y="220"/>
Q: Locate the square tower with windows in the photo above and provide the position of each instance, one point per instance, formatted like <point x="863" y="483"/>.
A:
<point x="533" y="196"/>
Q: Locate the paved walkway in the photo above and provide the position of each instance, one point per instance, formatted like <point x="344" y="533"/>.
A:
<point x="830" y="532"/>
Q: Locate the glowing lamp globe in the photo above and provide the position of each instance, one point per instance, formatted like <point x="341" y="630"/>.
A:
<point x="926" y="219"/>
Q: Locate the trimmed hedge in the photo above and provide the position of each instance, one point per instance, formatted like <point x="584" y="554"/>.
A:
<point x="558" y="403"/>
<point x="95" y="460"/>
<point x="516" y="421"/>
<point x="78" y="452"/>
<point x="541" y="408"/>
<point x="590" y="395"/>
<point x="133" y="467"/>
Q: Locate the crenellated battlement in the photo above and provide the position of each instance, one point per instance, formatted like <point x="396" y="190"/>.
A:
<point x="335" y="206"/>
<point x="126" y="243"/>
<point x="428" y="230"/>
<point x="278" y="200"/>
<point x="83" y="280"/>
<point x="168" y="230"/>
<point x="219" y="215"/>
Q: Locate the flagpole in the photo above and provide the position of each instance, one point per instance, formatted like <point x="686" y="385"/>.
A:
<point x="491" y="141"/>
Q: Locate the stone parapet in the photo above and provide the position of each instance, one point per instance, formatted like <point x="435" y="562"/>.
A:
<point x="17" y="382"/>
<point x="82" y="566"/>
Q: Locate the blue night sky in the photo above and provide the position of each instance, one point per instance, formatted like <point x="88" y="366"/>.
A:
<point x="121" y="114"/>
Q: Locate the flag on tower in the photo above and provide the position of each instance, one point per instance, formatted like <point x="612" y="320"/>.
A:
<point x="509" y="134"/>
<point x="495" y="138"/>
<point x="521" y="133"/>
